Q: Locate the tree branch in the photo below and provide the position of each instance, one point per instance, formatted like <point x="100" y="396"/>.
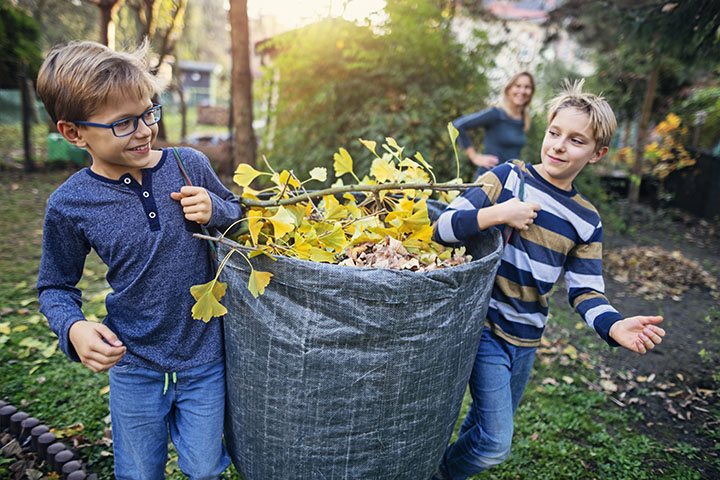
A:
<point x="251" y="202"/>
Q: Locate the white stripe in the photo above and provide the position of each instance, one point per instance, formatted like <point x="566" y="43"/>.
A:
<point x="509" y="313"/>
<point x="540" y="271"/>
<point x="595" y="312"/>
<point x="444" y="228"/>
<point x="461" y="203"/>
<point x="579" y="280"/>
<point x="551" y="205"/>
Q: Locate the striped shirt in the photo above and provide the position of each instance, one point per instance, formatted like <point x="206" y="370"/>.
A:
<point x="565" y="237"/>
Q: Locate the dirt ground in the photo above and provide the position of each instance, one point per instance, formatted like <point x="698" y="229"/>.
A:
<point x="676" y="385"/>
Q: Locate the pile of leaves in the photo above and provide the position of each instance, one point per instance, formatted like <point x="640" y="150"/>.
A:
<point x="656" y="273"/>
<point x="379" y="221"/>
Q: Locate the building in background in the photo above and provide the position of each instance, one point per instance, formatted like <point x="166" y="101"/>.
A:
<point x="518" y="30"/>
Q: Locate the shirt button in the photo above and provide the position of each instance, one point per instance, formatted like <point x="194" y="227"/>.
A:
<point x="146" y="194"/>
<point x="152" y="215"/>
<point x="127" y="181"/>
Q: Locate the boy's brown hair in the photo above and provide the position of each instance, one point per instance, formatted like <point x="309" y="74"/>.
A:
<point x="602" y="118"/>
<point x="77" y="79"/>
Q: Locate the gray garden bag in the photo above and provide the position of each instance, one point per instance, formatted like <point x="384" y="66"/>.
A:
<point x="350" y="373"/>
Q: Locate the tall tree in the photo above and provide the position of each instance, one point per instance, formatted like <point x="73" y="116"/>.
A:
<point x="19" y="60"/>
<point x="243" y="136"/>
<point x="686" y="32"/>
<point x="161" y="22"/>
<point x="108" y="19"/>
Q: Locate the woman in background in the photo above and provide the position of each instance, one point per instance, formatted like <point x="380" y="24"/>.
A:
<point x="505" y="125"/>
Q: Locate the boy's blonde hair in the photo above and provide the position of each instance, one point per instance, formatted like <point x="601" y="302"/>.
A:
<point x="602" y="118"/>
<point x="77" y="79"/>
<point x="506" y="104"/>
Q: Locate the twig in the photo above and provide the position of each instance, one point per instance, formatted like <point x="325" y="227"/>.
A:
<point x="315" y="209"/>
<point x="251" y="202"/>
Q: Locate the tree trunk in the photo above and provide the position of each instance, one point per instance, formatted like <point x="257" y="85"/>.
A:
<point x="637" y="169"/>
<point x="243" y="137"/>
<point x="108" y="15"/>
<point x="26" y="125"/>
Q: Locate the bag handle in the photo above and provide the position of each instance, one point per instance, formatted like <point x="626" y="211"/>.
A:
<point x="186" y="178"/>
<point x="509" y="230"/>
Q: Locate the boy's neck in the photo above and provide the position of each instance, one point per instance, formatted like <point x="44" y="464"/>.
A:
<point x="115" y="172"/>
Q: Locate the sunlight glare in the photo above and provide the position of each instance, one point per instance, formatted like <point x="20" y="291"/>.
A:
<point x="296" y="13"/>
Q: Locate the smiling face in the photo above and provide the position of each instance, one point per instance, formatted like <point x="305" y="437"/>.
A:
<point x="115" y="156"/>
<point x="568" y="146"/>
<point x="521" y="91"/>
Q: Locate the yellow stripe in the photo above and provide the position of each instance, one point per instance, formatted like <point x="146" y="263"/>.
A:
<point x="587" y="296"/>
<point x="583" y="202"/>
<point x="591" y="251"/>
<point x="520" y="292"/>
<point x="548" y="239"/>
<point x="512" y="339"/>
<point x="492" y="186"/>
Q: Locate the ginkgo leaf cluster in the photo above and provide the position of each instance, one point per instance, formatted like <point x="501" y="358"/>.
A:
<point x="341" y="227"/>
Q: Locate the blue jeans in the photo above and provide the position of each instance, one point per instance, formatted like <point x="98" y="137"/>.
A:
<point x="497" y="384"/>
<point x="144" y="404"/>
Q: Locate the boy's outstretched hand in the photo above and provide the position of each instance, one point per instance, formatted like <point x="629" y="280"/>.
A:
<point x="196" y="203"/>
<point x="96" y="345"/>
<point x="638" y="334"/>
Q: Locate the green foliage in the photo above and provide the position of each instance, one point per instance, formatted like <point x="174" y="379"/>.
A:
<point x="62" y="21"/>
<point x="706" y="99"/>
<point x="337" y="81"/>
<point x="19" y="44"/>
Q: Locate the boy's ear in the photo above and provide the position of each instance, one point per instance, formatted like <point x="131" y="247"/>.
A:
<point x="599" y="154"/>
<point x="71" y="132"/>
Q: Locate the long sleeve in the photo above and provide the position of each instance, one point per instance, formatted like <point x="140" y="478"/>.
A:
<point x="586" y="287"/>
<point x="483" y="118"/>
<point x="61" y="267"/>
<point x="458" y="223"/>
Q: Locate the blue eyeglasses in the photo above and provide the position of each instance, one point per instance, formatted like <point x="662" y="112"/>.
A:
<point x="127" y="126"/>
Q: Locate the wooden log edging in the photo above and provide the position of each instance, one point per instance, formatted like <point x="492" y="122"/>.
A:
<point x="23" y="435"/>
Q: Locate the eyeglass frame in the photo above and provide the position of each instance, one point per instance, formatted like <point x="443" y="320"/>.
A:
<point x="136" y="119"/>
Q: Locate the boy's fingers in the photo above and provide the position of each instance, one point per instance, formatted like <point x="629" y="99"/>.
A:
<point x="176" y="195"/>
<point x="109" y="336"/>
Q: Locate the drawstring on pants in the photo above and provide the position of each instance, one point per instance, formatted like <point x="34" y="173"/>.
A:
<point x="174" y="380"/>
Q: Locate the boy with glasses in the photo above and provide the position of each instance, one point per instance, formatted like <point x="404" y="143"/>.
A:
<point x="166" y="369"/>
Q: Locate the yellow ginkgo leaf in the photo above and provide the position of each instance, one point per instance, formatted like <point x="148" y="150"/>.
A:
<point x="245" y="174"/>
<point x="258" y="281"/>
<point x="285" y="178"/>
<point x="343" y="163"/>
<point x="207" y="298"/>
<point x="369" y="144"/>
<point x="255" y="224"/>
<point x="319" y="174"/>
<point x="320" y="255"/>
<point x="333" y="209"/>
<point x="384" y="170"/>
<point x="283" y="222"/>
<point x="335" y="240"/>
<point x="391" y="141"/>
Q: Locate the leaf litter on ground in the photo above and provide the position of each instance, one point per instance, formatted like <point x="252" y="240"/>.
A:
<point x="656" y="273"/>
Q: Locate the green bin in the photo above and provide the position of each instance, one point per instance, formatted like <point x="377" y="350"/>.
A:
<point x="60" y="150"/>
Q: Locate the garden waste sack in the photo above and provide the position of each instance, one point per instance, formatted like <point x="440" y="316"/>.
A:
<point x="340" y="372"/>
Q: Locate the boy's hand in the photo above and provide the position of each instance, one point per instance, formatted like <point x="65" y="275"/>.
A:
<point x="96" y="345"/>
<point x="196" y="203"/>
<point x="638" y="334"/>
<point x="514" y="212"/>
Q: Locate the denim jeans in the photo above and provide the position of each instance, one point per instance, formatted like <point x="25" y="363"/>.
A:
<point x="497" y="384"/>
<point x="144" y="404"/>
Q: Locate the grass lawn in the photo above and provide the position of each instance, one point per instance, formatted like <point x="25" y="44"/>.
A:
<point x="566" y="427"/>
